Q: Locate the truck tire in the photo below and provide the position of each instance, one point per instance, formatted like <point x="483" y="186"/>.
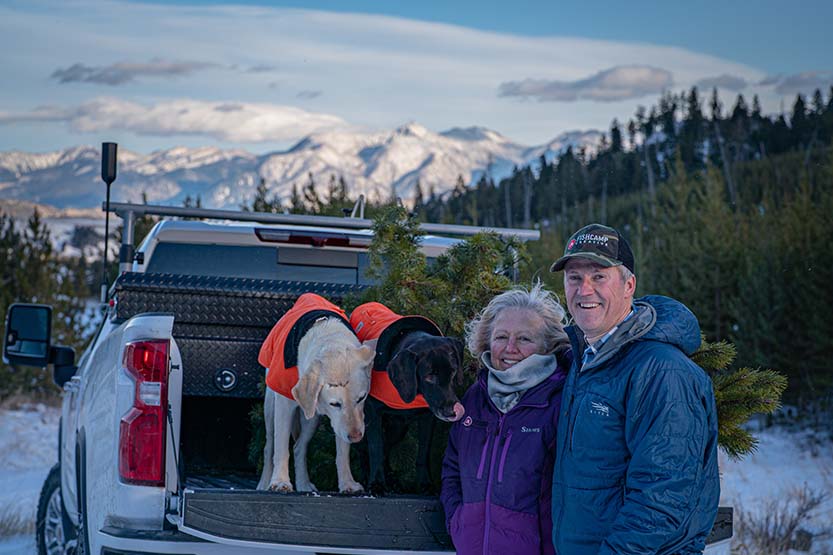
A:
<point x="54" y="532"/>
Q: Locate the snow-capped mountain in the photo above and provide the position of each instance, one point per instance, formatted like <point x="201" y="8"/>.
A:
<point x="380" y="165"/>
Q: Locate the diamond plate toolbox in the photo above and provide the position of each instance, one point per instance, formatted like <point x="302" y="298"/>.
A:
<point x="219" y="323"/>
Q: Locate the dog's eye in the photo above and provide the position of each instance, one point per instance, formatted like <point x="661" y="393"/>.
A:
<point x="335" y="404"/>
<point x="431" y="378"/>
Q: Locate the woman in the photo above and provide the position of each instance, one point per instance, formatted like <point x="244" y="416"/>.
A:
<point x="497" y="470"/>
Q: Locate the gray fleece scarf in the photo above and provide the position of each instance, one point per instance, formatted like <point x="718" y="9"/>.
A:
<point x="507" y="386"/>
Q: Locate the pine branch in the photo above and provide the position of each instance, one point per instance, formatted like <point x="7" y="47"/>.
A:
<point x="739" y="394"/>
<point x="713" y="357"/>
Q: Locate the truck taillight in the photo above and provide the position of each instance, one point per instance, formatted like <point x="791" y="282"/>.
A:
<point x="142" y="429"/>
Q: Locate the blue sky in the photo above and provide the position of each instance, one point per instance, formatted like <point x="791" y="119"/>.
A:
<point x="262" y="75"/>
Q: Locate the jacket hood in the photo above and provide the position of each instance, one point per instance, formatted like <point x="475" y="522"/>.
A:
<point x="656" y="318"/>
<point x="675" y="323"/>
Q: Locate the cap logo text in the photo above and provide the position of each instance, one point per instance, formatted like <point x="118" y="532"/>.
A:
<point x="592" y="238"/>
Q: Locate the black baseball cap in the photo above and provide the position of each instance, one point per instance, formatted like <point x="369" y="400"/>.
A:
<point x="599" y="243"/>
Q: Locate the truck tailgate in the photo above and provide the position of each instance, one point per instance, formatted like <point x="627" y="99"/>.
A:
<point x="328" y="521"/>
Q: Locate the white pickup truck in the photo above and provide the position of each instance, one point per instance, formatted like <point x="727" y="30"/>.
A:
<point x="155" y="419"/>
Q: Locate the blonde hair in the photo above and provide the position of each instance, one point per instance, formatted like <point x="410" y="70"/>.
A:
<point x="537" y="299"/>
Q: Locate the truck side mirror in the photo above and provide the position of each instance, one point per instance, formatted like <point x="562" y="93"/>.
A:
<point x="28" y="334"/>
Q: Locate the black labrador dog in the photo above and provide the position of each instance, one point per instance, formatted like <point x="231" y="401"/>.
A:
<point x="419" y="363"/>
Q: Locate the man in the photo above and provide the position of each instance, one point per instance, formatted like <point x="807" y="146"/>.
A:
<point x="636" y="460"/>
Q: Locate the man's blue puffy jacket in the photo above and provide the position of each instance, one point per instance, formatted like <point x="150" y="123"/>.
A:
<point x="636" y="464"/>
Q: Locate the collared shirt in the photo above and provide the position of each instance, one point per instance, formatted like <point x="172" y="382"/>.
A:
<point x="592" y="350"/>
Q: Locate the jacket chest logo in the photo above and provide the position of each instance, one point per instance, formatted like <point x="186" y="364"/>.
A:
<point x="599" y="408"/>
<point x="528" y="430"/>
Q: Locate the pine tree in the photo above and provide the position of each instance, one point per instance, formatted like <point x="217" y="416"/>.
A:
<point x="632" y="134"/>
<point x="723" y="152"/>
<point x="450" y="291"/>
<point x="30" y="271"/>
<point x="296" y="201"/>
<point x="261" y="201"/>
<point x="692" y="133"/>
<point x="799" y="122"/>
<point x="615" y="136"/>
<point x="312" y="201"/>
<point x="419" y="197"/>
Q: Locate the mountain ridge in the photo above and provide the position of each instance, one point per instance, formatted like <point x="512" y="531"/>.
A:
<point x="378" y="164"/>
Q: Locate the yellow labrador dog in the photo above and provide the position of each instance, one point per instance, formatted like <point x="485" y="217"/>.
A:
<point x="333" y="379"/>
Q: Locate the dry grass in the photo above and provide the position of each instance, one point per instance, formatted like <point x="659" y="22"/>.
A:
<point x="781" y="525"/>
<point x="19" y="401"/>
<point x="12" y="523"/>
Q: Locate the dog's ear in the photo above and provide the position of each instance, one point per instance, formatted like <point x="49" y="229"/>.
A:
<point x="307" y="389"/>
<point x="367" y="353"/>
<point x="402" y="371"/>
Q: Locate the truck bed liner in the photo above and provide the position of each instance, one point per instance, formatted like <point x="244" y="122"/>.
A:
<point x="408" y="523"/>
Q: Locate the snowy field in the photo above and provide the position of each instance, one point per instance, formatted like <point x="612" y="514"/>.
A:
<point x="28" y="449"/>
<point x="785" y="461"/>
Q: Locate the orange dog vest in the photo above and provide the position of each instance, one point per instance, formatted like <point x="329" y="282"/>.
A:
<point x="376" y="321"/>
<point x="279" y="352"/>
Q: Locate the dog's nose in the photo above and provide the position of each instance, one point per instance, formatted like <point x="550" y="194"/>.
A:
<point x="355" y="436"/>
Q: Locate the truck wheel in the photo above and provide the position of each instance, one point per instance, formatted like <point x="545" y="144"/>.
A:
<point x="55" y="533"/>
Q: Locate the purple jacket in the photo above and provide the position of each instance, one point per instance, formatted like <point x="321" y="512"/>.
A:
<point x="497" y="471"/>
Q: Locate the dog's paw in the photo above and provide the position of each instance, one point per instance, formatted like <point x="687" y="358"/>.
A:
<point x="281" y="487"/>
<point x="377" y="488"/>
<point x="350" y="487"/>
<point x="306" y="486"/>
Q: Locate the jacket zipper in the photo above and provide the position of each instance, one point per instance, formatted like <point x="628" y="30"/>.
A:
<point x="567" y="441"/>
<point x="503" y="456"/>
<point x="573" y="422"/>
<point x="489" y="485"/>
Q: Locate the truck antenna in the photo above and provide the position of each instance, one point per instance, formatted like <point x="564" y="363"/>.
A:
<point x="109" y="155"/>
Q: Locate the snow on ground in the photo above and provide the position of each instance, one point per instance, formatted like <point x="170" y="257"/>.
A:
<point x="784" y="460"/>
<point x="28" y="449"/>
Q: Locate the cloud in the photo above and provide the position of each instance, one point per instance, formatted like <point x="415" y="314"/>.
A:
<point x="229" y="107"/>
<point x="724" y="81"/>
<point x="610" y="85"/>
<point x="125" y="72"/>
<point x="39" y="114"/>
<point x="262" y="68"/>
<point x="308" y="95"/>
<point x="770" y="80"/>
<point x="225" y="121"/>
<point x="806" y="82"/>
